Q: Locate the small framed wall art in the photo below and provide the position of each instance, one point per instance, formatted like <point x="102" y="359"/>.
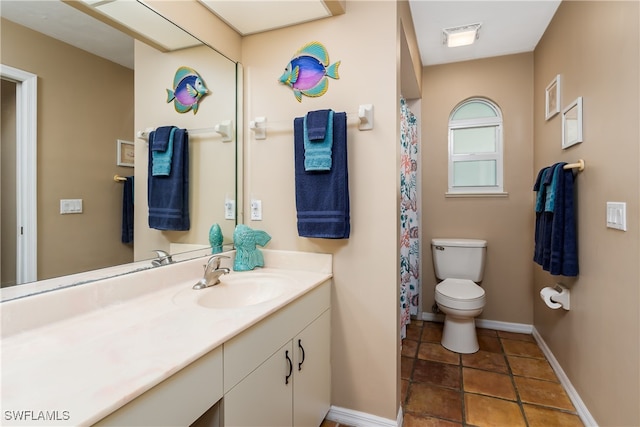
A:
<point x="552" y="98"/>
<point x="572" y="123"/>
<point x="126" y="153"/>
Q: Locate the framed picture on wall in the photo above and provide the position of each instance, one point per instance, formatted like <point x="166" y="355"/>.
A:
<point x="126" y="153"/>
<point x="552" y="98"/>
<point x="572" y="123"/>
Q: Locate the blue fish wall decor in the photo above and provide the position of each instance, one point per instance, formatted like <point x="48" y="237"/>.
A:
<point x="188" y="90"/>
<point x="307" y="72"/>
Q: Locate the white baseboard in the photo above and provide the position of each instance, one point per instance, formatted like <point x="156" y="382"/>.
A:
<point x="581" y="409"/>
<point x="522" y="328"/>
<point x="361" y="419"/>
<point x="431" y="317"/>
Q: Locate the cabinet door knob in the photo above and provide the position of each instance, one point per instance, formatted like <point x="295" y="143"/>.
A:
<point x="286" y="379"/>
<point x="302" y="349"/>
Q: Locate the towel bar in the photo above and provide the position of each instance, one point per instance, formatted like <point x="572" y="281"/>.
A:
<point x="578" y="165"/>
<point x="118" y="178"/>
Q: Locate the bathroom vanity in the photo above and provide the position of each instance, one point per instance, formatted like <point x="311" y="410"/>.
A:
<point x="146" y="349"/>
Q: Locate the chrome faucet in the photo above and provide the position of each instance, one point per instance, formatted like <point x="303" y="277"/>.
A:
<point x="212" y="273"/>
<point x="163" y="258"/>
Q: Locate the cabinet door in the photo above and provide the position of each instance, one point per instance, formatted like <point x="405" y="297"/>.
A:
<point x="265" y="396"/>
<point x="312" y="368"/>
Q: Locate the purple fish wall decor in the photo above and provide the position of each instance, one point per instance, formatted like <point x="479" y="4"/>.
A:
<point x="188" y="90"/>
<point x="307" y="72"/>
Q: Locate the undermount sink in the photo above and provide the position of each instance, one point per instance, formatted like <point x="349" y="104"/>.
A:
<point x="236" y="290"/>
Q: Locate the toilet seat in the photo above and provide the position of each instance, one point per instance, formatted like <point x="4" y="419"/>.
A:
<point x="462" y="294"/>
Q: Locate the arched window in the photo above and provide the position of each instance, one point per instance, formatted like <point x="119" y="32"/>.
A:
<point x="475" y="148"/>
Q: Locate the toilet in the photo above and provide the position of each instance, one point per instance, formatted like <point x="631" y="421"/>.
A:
<point x="459" y="263"/>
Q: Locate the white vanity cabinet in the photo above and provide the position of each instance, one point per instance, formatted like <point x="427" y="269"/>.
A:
<point x="177" y="401"/>
<point x="277" y="373"/>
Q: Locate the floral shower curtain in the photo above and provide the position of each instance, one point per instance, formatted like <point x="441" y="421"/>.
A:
<point x="409" y="226"/>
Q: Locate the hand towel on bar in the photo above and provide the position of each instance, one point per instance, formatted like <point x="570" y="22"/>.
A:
<point x="161" y="140"/>
<point x="162" y="159"/>
<point x="318" y="140"/>
<point x="564" y="248"/>
<point x="168" y="196"/>
<point x="127" y="211"/>
<point x="540" y="215"/>
<point x="316" y="124"/>
<point x="555" y="228"/>
<point x="322" y="197"/>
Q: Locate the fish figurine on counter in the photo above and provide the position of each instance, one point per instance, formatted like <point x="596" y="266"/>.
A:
<point x="307" y="72"/>
<point x="188" y="90"/>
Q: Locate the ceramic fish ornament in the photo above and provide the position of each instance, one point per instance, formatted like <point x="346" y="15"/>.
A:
<point x="307" y="72"/>
<point x="245" y="240"/>
<point x="188" y="89"/>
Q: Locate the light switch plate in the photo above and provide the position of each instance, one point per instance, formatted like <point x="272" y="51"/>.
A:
<point x="617" y="215"/>
<point x="70" y="206"/>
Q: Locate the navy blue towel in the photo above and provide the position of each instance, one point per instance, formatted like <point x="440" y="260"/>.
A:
<point x="127" y="211"/>
<point x="322" y="197"/>
<point x="161" y="138"/>
<point x="556" y="248"/>
<point x="317" y="124"/>
<point x="168" y="196"/>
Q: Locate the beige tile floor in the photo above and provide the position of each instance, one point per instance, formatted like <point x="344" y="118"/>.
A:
<point x="507" y="383"/>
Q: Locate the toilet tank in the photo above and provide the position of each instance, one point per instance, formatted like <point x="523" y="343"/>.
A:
<point x="459" y="258"/>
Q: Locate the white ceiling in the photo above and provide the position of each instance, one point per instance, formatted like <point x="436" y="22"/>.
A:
<point x="71" y="26"/>
<point x="266" y="15"/>
<point x="508" y="26"/>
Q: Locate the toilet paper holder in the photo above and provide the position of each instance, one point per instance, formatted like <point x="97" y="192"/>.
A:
<point x="556" y="297"/>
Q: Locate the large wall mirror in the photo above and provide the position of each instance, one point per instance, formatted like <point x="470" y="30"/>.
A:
<point x="87" y="101"/>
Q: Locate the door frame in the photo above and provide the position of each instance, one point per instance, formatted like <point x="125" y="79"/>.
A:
<point x="26" y="171"/>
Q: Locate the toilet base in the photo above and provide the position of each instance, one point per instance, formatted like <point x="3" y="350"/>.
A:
<point x="459" y="334"/>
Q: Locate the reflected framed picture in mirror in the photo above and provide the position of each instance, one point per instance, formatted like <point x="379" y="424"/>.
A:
<point x="552" y="98"/>
<point x="126" y="153"/>
<point x="572" y="123"/>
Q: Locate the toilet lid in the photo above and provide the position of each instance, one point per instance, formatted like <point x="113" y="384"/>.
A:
<point x="461" y="289"/>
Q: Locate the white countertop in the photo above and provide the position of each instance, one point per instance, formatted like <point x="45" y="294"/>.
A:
<point x="88" y="365"/>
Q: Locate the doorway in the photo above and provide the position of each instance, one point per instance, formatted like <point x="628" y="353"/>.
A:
<point x="24" y="228"/>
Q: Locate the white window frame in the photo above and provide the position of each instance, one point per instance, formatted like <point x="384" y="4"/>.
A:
<point x="497" y="155"/>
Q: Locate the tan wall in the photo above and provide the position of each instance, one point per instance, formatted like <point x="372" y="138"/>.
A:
<point x="8" y="182"/>
<point x="505" y="222"/>
<point x="365" y="343"/>
<point x="211" y="161"/>
<point x="85" y="103"/>
<point x="597" y="342"/>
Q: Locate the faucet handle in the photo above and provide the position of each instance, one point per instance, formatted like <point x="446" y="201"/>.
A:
<point x="215" y="261"/>
<point x="161" y="253"/>
<point x="163" y="258"/>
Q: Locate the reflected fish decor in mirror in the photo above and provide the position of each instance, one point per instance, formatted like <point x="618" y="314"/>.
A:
<point x="307" y="72"/>
<point x="188" y="89"/>
<point x="215" y="238"/>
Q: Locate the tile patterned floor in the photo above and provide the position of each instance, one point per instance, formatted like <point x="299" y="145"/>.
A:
<point x="508" y="382"/>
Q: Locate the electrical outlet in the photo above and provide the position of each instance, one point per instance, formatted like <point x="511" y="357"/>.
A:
<point x="229" y="209"/>
<point x="256" y="210"/>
